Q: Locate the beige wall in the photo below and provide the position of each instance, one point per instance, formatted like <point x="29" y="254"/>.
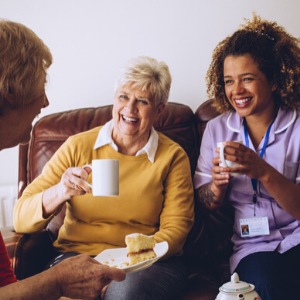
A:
<point x="91" y="39"/>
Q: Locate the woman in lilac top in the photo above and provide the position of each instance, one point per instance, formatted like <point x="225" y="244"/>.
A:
<point x="254" y="78"/>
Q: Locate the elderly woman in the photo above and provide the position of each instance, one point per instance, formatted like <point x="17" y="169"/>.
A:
<point x="24" y="61"/>
<point x="156" y="191"/>
<point x="255" y="79"/>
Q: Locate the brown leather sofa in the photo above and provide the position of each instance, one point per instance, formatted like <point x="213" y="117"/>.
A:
<point x="208" y="246"/>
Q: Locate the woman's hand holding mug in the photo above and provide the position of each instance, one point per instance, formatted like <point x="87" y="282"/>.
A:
<point x="227" y="163"/>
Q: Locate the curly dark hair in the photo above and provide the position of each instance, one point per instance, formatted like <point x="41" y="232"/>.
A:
<point x="276" y="53"/>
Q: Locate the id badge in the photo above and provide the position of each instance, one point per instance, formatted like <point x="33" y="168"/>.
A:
<point x="254" y="226"/>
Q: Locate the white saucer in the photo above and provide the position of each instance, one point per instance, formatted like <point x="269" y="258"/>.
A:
<point x="118" y="258"/>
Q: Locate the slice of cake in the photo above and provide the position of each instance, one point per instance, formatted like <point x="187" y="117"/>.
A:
<point x="139" y="247"/>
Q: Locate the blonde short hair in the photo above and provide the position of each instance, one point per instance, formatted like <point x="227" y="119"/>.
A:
<point x="147" y="74"/>
<point x="24" y="60"/>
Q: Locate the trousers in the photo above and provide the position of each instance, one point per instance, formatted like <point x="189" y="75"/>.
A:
<point x="276" y="276"/>
<point x="164" y="280"/>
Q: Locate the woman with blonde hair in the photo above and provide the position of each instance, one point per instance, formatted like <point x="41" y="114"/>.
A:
<point x="156" y="192"/>
<point x="24" y="60"/>
<point x="254" y="78"/>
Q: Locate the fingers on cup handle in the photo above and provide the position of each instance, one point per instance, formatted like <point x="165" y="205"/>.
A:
<point x="88" y="168"/>
<point x="89" y="185"/>
<point x="222" y="156"/>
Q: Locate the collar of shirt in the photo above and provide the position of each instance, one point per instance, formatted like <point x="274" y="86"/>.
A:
<point x="282" y="121"/>
<point x="104" y="138"/>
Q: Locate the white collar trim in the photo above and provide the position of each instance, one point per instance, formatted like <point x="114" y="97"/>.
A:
<point x="289" y="123"/>
<point x="228" y="125"/>
<point x="105" y="138"/>
<point x="277" y="131"/>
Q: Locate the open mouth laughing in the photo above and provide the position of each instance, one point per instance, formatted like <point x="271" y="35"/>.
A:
<point x="242" y="101"/>
<point x="129" y="120"/>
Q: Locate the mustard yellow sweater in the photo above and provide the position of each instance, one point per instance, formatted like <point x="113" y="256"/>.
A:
<point x="155" y="199"/>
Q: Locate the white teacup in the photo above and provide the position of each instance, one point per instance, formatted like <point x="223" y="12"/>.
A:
<point x="227" y="163"/>
<point x="105" y="177"/>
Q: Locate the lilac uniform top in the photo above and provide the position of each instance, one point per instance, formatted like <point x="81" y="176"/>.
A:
<point x="283" y="153"/>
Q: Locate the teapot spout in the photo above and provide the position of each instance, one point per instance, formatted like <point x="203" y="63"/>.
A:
<point x="240" y="297"/>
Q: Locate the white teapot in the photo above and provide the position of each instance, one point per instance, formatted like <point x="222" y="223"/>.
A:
<point x="237" y="290"/>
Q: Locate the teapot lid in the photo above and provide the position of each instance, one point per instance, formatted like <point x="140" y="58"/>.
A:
<point x="236" y="286"/>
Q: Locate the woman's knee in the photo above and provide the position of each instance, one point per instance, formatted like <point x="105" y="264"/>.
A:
<point x="270" y="272"/>
<point x="165" y="280"/>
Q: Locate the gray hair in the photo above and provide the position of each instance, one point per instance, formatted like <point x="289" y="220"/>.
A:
<point x="147" y="74"/>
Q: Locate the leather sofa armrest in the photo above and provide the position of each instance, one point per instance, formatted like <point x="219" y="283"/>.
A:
<point x="28" y="253"/>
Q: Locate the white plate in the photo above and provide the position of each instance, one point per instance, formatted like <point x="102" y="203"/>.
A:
<point x="118" y="258"/>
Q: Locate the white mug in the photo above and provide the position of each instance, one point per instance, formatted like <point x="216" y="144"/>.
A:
<point x="105" y="176"/>
<point x="227" y="163"/>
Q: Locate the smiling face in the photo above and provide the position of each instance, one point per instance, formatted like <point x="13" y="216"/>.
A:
<point x="247" y="88"/>
<point x="134" y="114"/>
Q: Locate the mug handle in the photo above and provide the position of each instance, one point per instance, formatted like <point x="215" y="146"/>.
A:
<point x="222" y="156"/>
<point x="92" y="170"/>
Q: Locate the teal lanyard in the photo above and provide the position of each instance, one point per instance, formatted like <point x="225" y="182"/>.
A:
<point x="254" y="181"/>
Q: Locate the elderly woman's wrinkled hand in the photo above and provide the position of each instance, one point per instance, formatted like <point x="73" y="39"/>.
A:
<point x="73" y="182"/>
<point x="83" y="277"/>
